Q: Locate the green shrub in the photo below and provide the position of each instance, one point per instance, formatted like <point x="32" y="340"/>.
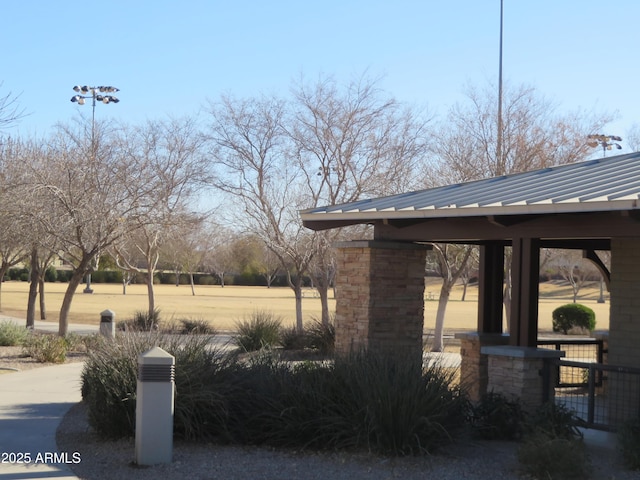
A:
<point x="142" y="321"/>
<point x="260" y="330"/>
<point x="554" y="458"/>
<point x="109" y="382"/>
<point x="12" y="334"/>
<point x="50" y="274"/>
<point x="292" y="339"/>
<point x="573" y="315"/>
<point x="321" y="337"/>
<point x="555" y="421"/>
<point x="553" y="447"/>
<point x="369" y="402"/>
<point x="196" y="327"/>
<point x="496" y="417"/>
<point x="206" y="280"/>
<point x="629" y="443"/>
<point x="46" y="348"/>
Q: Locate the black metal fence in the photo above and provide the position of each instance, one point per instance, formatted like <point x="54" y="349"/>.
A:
<point x="603" y="396"/>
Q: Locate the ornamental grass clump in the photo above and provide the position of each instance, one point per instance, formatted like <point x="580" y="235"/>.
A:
<point x="259" y="330"/>
<point x="376" y="403"/>
<point x="109" y="382"/>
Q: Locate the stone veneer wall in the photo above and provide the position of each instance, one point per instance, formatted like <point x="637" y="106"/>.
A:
<point x="380" y="297"/>
<point x="474" y="365"/>
<point x="624" y="327"/>
<point x="517" y="372"/>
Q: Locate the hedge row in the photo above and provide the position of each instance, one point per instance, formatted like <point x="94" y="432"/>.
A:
<point x="115" y="276"/>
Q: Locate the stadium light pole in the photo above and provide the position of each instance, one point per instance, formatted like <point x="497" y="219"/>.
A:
<point x="499" y="126"/>
<point x="95" y="94"/>
<point x="607" y="142"/>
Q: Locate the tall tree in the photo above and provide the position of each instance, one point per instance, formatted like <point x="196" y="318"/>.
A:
<point x="534" y="135"/>
<point x="10" y="110"/>
<point x="170" y="170"/>
<point x="248" y="144"/>
<point x="82" y="182"/>
<point x="350" y="143"/>
<point x="15" y="231"/>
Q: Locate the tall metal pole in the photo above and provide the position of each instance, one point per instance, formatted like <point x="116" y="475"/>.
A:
<point x="80" y="100"/>
<point x="500" y="170"/>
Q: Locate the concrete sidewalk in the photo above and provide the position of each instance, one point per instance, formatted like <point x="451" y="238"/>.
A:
<point x="46" y="326"/>
<point x="32" y="405"/>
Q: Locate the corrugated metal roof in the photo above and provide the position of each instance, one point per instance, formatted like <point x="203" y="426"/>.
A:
<point x="605" y="184"/>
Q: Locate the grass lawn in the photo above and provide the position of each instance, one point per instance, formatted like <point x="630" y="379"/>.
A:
<point x="222" y="307"/>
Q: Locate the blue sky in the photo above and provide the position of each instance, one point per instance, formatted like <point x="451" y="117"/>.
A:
<point x="168" y="57"/>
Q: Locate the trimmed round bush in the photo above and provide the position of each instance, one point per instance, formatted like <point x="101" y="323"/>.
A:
<point x="573" y="315"/>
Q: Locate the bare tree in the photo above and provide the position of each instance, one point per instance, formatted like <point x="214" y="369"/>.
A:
<point x="574" y="269"/>
<point x="249" y="148"/>
<point x="170" y="170"/>
<point x="451" y="261"/>
<point x="10" y="110"/>
<point x="351" y="143"/>
<point x="268" y="265"/>
<point x="80" y="181"/>
<point x="13" y="233"/>
<point x="633" y="138"/>
<point x="534" y="135"/>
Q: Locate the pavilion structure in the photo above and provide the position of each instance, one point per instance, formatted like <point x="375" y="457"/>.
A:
<point x="589" y="206"/>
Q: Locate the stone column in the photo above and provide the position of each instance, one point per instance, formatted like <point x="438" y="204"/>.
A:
<point x="380" y="297"/>
<point x="474" y="365"/>
<point x="517" y="372"/>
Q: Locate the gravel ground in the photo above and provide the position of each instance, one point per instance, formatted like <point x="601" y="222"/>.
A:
<point x="470" y="460"/>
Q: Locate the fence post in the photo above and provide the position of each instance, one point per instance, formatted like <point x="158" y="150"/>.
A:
<point x="154" y="407"/>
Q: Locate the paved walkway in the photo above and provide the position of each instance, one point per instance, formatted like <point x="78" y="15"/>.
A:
<point x="32" y="404"/>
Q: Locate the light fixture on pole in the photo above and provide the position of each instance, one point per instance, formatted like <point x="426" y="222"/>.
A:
<point x="607" y="142"/>
<point x="96" y="94"/>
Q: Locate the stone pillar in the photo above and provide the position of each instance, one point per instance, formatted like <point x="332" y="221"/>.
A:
<point x="474" y="365"/>
<point x="517" y="372"/>
<point x="380" y="297"/>
<point x="624" y="328"/>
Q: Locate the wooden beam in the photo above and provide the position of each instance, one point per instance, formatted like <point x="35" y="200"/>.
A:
<point x="593" y="256"/>
<point x="490" y="288"/>
<point x="525" y="271"/>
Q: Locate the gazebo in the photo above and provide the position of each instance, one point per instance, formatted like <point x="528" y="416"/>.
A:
<point x="591" y="206"/>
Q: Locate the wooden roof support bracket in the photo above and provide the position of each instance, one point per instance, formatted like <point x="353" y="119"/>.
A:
<point x="593" y="256"/>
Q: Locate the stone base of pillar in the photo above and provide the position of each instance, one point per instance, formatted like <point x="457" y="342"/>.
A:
<point x="474" y="366"/>
<point x="518" y="372"/>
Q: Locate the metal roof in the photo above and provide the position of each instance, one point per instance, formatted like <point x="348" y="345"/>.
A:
<point x="605" y="184"/>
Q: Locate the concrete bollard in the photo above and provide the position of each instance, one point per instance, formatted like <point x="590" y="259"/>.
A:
<point x="108" y="324"/>
<point x="154" y="407"/>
